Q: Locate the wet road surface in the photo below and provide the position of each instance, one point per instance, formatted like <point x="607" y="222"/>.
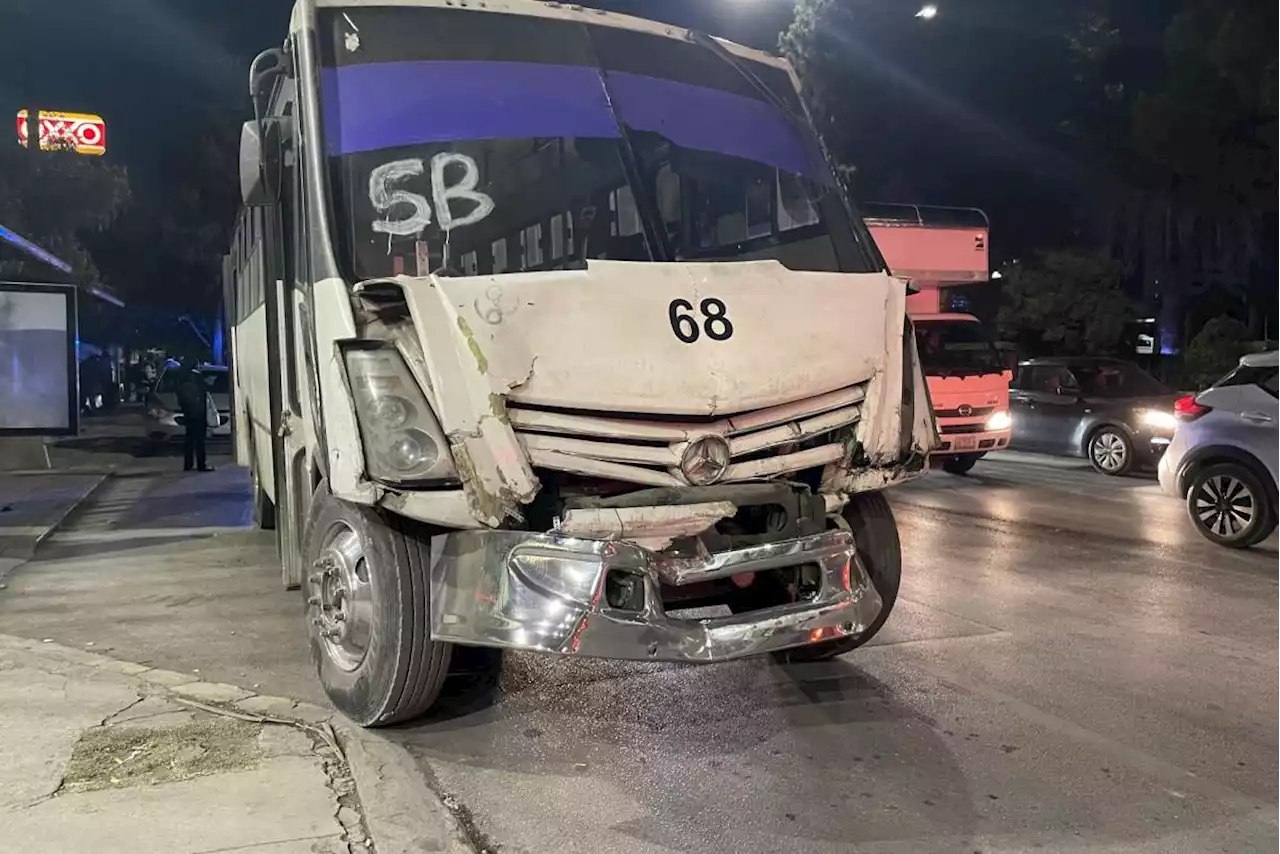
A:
<point x="1069" y="668"/>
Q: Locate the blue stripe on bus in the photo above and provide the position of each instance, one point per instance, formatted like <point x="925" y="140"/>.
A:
<point x="715" y="120"/>
<point x="391" y="104"/>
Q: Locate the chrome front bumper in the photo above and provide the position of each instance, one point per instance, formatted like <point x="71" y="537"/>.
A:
<point x="546" y="593"/>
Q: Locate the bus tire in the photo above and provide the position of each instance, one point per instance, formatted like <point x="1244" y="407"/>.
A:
<point x="875" y="534"/>
<point x="368" y="616"/>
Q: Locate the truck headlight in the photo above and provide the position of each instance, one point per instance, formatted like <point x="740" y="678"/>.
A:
<point x="403" y="442"/>
<point x="1159" y="419"/>
<point x="1000" y="420"/>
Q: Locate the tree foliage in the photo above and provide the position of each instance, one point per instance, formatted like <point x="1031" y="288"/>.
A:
<point x="965" y="109"/>
<point x="1198" y="210"/>
<point x="1065" y="303"/>
<point x="58" y="200"/>
<point x="166" y="249"/>
<point x="1215" y="350"/>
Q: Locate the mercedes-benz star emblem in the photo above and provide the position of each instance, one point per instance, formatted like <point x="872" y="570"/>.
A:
<point x="965" y="410"/>
<point x="705" y="460"/>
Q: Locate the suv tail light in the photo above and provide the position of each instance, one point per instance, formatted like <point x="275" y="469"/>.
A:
<point x="1189" y="409"/>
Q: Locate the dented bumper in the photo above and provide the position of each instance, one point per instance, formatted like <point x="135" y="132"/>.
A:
<point x="553" y="594"/>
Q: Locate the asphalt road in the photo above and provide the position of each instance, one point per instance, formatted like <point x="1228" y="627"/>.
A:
<point x="1069" y="668"/>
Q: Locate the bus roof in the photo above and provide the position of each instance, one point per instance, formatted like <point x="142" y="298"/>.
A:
<point x="556" y="11"/>
<point x="923" y="216"/>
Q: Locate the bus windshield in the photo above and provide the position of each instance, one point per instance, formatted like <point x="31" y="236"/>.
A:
<point x="956" y="348"/>
<point x="463" y="142"/>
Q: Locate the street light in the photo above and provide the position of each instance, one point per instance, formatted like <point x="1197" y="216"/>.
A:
<point x="928" y="12"/>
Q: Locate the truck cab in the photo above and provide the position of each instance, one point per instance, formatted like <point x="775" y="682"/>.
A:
<point x="943" y="252"/>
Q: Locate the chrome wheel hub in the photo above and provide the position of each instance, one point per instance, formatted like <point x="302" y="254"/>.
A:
<point x="1109" y="452"/>
<point x="1225" y="506"/>
<point x="339" y="604"/>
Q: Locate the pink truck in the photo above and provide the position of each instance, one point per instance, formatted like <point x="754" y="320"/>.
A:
<point x="941" y="250"/>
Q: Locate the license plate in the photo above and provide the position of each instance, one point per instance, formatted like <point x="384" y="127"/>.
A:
<point x="964" y="443"/>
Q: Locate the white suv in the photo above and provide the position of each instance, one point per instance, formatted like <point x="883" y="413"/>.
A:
<point x="1222" y="460"/>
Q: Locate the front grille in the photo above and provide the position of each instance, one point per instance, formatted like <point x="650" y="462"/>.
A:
<point x="978" y="412"/>
<point x="646" y="450"/>
<point x="952" y="429"/>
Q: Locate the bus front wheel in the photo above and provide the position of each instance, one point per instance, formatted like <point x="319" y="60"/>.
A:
<point x="875" y="535"/>
<point x="368" y="614"/>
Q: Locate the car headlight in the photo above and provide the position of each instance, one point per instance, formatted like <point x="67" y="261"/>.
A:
<point x="403" y="442"/>
<point x="1158" y="419"/>
<point x="1000" y="420"/>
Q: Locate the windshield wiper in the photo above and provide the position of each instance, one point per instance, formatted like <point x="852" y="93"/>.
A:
<point x="650" y="220"/>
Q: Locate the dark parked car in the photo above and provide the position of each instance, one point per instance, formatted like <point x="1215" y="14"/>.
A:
<point x="1109" y="411"/>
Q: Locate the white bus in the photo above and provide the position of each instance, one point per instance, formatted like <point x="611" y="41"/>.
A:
<point x="551" y="325"/>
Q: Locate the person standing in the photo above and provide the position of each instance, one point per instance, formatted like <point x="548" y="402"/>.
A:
<point x="193" y="398"/>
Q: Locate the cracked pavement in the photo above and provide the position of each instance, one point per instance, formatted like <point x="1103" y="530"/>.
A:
<point x="96" y="758"/>
<point x="157" y="571"/>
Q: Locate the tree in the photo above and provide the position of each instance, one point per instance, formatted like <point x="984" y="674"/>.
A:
<point x="965" y="109"/>
<point x="1200" y="218"/>
<point x="166" y="249"/>
<point x="57" y="200"/>
<point x="1065" y="303"/>
<point x="1216" y="349"/>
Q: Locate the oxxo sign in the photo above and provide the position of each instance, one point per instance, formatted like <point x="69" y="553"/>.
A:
<point x="83" y="133"/>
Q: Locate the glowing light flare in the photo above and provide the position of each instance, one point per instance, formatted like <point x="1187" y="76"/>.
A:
<point x="927" y="12"/>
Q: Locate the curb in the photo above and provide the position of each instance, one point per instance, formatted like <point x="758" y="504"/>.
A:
<point x="402" y="813"/>
<point x="72" y="508"/>
<point x="24" y="554"/>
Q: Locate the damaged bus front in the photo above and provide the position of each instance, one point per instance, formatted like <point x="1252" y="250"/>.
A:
<point x="566" y="329"/>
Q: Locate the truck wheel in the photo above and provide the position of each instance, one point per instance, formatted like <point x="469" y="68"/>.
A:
<point x="264" y="509"/>
<point x="959" y="463"/>
<point x="367" y="612"/>
<point x="876" y="536"/>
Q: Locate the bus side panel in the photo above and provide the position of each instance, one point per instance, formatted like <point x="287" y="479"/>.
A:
<point x="249" y="339"/>
<point x="232" y="274"/>
<point x="252" y="340"/>
<point x="241" y="426"/>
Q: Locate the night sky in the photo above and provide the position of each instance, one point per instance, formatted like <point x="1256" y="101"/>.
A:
<point x="155" y="69"/>
<point x="151" y="68"/>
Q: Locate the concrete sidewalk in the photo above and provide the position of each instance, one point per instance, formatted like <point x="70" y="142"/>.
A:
<point x="33" y="505"/>
<point x="118" y="443"/>
<point x="107" y="756"/>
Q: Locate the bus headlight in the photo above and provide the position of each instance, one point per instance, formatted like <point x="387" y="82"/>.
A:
<point x="1000" y="420"/>
<point x="403" y="442"/>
